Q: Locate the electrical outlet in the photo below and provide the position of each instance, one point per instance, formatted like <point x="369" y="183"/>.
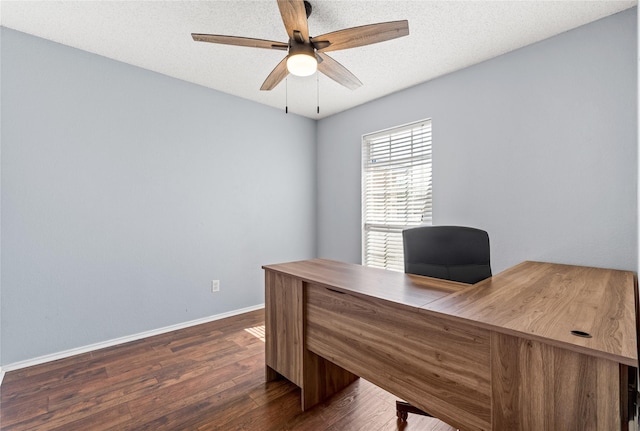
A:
<point x="215" y="286"/>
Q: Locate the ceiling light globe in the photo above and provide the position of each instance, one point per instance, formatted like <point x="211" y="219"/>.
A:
<point x="302" y="64"/>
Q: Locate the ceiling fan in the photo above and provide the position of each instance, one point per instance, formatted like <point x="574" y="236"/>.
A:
<point x="307" y="54"/>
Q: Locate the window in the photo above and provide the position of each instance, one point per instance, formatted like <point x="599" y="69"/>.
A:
<point x="396" y="190"/>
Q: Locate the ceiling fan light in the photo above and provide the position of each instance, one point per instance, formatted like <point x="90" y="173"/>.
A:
<point x="302" y="64"/>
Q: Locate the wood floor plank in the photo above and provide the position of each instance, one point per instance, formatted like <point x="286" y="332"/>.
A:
<point x="105" y="396"/>
<point x="46" y="383"/>
<point x="16" y="411"/>
<point x="267" y="393"/>
<point x="206" y="377"/>
<point x="45" y="368"/>
<point x="99" y="421"/>
<point x="271" y="416"/>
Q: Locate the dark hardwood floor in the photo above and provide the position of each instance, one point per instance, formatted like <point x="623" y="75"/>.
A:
<point x="207" y="377"/>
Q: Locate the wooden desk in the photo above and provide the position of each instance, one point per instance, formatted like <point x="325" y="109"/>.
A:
<point x="497" y="355"/>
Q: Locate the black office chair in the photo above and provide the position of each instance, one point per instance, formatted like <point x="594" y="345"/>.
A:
<point x="454" y="253"/>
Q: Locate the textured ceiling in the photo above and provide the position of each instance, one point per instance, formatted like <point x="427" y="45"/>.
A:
<point x="444" y="36"/>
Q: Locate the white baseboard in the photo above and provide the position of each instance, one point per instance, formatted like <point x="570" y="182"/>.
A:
<point x="109" y="343"/>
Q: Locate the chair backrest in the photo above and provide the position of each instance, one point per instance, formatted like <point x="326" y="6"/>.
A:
<point x="454" y="253"/>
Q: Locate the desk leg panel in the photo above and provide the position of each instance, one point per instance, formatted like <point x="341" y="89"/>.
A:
<point x="538" y="387"/>
<point x="322" y="379"/>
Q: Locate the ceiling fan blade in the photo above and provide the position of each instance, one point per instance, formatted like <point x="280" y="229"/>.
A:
<point x="277" y="74"/>
<point x="363" y="35"/>
<point x="337" y="72"/>
<point x="239" y="41"/>
<point x="294" y="17"/>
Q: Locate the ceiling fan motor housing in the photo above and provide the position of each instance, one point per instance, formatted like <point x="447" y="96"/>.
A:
<point x="296" y="48"/>
<point x="307" y="8"/>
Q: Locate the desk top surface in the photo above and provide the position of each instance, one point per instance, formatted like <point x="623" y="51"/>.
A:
<point x="535" y="300"/>
<point x="410" y="290"/>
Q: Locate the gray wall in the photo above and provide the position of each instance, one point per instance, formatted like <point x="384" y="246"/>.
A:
<point x="125" y="192"/>
<point x="538" y="147"/>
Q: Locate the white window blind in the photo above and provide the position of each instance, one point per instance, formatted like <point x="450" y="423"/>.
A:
<point x="396" y="190"/>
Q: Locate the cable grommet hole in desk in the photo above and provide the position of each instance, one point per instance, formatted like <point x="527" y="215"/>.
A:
<point x="581" y="334"/>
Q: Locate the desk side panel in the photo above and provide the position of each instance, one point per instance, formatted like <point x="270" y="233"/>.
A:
<point x="539" y="387"/>
<point x="436" y="365"/>
<point x="283" y="326"/>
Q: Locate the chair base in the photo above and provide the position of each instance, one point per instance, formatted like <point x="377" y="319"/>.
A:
<point x="403" y="409"/>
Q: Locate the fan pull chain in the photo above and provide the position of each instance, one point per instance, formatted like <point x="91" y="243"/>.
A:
<point x="286" y="95"/>
<point x="318" y="92"/>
